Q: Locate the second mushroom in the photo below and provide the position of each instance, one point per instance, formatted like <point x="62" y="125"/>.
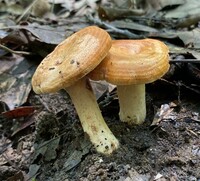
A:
<point x="131" y="64"/>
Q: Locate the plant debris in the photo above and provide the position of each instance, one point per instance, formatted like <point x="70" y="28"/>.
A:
<point x="40" y="135"/>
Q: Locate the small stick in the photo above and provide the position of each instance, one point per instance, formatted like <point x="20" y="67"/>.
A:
<point x="113" y="29"/>
<point x="26" y="11"/>
<point x="184" y="61"/>
<point x="15" y="52"/>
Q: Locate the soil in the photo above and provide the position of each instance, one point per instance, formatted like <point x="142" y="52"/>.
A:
<point x="167" y="150"/>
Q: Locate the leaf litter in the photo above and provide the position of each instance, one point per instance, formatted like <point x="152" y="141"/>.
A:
<point x="50" y="142"/>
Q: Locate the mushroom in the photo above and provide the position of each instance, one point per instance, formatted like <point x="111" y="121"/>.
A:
<point x="130" y="65"/>
<point x="67" y="68"/>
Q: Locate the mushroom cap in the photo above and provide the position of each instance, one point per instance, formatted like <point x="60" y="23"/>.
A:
<point x="71" y="60"/>
<point x="133" y="62"/>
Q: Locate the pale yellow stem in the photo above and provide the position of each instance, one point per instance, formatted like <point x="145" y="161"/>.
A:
<point x="91" y="118"/>
<point x="132" y="103"/>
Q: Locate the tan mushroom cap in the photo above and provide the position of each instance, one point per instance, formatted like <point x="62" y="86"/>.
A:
<point x="71" y="60"/>
<point x="133" y="62"/>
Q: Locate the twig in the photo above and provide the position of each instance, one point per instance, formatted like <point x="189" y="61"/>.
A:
<point x="185" y="61"/>
<point x="15" y="52"/>
<point x="192" y="132"/>
<point x="26" y="11"/>
<point x="113" y="29"/>
<point x="181" y="85"/>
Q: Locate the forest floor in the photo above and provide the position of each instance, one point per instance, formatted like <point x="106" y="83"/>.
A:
<point x="41" y="138"/>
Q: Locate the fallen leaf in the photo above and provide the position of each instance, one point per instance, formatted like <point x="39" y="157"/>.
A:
<point x="160" y="4"/>
<point x="47" y="149"/>
<point x="132" y="25"/>
<point x="100" y="88"/>
<point x="33" y="169"/>
<point x="190" y="7"/>
<point x="181" y="50"/>
<point x="112" y="13"/>
<point x="76" y="156"/>
<point x="20" y="112"/>
<point x="158" y="176"/>
<point x="22" y="125"/>
<point x="190" y="39"/>
<point x="16" y="86"/>
<point x="163" y="113"/>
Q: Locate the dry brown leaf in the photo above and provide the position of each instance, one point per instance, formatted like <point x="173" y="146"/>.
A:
<point x="160" y="4"/>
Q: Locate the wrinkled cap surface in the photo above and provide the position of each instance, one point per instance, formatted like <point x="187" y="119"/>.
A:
<point x="133" y="62"/>
<point x="71" y="60"/>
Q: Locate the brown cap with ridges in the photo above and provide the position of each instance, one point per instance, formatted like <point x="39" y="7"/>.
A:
<point x="133" y="62"/>
<point x="71" y="60"/>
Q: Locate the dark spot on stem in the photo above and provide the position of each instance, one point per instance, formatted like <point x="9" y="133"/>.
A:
<point x="106" y="147"/>
<point x="93" y="127"/>
<point x="112" y="145"/>
<point x="105" y="138"/>
<point x="102" y="131"/>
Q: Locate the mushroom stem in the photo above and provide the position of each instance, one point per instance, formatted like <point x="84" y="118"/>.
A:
<point x="132" y="103"/>
<point x="91" y="118"/>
